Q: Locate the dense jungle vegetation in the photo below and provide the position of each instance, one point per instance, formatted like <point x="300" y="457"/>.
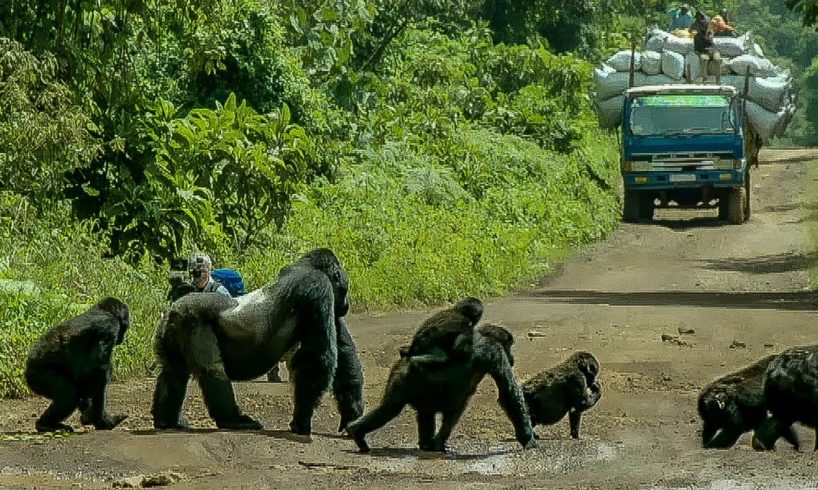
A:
<point x="440" y="147"/>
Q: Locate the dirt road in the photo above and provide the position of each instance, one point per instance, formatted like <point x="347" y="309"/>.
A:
<point x="743" y="283"/>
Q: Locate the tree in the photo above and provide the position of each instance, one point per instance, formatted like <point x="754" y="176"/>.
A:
<point x="807" y="8"/>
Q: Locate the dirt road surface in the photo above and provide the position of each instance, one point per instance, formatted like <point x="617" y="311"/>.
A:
<point x="746" y="283"/>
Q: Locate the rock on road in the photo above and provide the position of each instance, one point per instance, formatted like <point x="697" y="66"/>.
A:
<point x="742" y="290"/>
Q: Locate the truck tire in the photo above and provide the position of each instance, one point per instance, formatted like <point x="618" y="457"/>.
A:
<point x="630" y="207"/>
<point x="736" y="206"/>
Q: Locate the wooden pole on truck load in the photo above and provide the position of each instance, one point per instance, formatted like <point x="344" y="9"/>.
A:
<point x="631" y="69"/>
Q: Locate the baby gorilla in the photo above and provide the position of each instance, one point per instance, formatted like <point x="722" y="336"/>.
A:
<point x="447" y="389"/>
<point x="735" y="404"/>
<point x="71" y="365"/>
<point x="570" y="387"/>
<point x="791" y="392"/>
<point x="446" y="335"/>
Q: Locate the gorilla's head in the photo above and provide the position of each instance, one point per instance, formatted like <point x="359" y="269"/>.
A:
<point x="118" y="310"/>
<point x="586" y="363"/>
<point x="716" y="406"/>
<point x="325" y="260"/>
<point x="471" y="308"/>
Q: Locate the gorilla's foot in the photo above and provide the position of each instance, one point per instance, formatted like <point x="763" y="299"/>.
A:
<point x="302" y="429"/>
<point x="358" y="437"/>
<point x="433" y="446"/>
<point x="274" y="377"/>
<point x="108" y="422"/>
<point x="531" y="443"/>
<point x="242" y="422"/>
<point x="181" y="424"/>
<point x="48" y="427"/>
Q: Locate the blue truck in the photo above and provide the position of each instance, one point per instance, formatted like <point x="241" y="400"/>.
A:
<point x="687" y="146"/>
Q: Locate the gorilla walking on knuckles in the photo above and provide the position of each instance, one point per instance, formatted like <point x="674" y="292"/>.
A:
<point x="735" y="404"/>
<point x="446" y="335"/>
<point x="219" y="339"/>
<point x="571" y="387"/>
<point x="447" y="389"/>
<point x="791" y="392"/>
<point x="71" y="365"/>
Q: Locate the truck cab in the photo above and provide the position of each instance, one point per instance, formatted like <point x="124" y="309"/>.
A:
<point x="685" y="146"/>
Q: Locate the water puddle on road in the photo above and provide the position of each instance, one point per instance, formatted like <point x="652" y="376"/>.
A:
<point x="550" y="457"/>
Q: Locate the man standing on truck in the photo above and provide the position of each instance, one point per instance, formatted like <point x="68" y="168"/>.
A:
<point x="680" y="18"/>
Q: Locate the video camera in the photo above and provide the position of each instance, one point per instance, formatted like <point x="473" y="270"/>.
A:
<point x="179" y="285"/>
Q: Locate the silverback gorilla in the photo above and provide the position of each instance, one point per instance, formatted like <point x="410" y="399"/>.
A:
<point x="447" y="389"/>
<point x="71" y="365"/>
<point x="218" y="339"/>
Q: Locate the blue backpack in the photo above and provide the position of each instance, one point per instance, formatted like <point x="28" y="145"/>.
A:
<point x="230" y="279"/>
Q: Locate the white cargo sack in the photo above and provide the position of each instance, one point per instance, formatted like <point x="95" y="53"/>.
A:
<point x="693" y="65"/>
<point x="656" y="40"/>
<point x="736" y="81"/>
<point x="733" y="46"/>
<point x="767" y="124"/>
<point x="769" y="93"/>
<point x="759" y="67"/>
<point x="621" y="61"/>
<point x="651" y="63"/>
<point x="673" y="65"/>
<point x="610" y="112"/>
<point x="610" y="83"/>
<point x="757" y="51"/>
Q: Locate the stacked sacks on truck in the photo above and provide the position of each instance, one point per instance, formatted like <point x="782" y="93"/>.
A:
<point x="667" y="58"/>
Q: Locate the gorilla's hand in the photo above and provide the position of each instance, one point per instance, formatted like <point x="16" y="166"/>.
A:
<point x="531" y="443"/>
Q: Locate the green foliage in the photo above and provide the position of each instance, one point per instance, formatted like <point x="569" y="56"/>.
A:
<point x="43" y="134"/>
<point x="807" y="8"/>
<point x="228" y="171"/>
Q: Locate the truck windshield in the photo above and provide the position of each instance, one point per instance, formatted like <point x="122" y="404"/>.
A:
<point x="681" y="114"/>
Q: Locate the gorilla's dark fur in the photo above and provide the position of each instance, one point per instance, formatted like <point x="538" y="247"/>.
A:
<point x="446" y="335"/>
<point x="571" y="387"/>
<point x="447" y="389"/>
<point x="735" y="404"/>
<point x="791" y="392"/>
<point x="71" y="365"/>
<point x="218" y="339"/>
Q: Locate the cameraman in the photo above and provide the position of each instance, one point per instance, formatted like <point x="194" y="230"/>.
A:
<point x="199" y="268"/>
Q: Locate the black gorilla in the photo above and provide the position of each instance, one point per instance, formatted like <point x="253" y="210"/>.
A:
<point x="71" y="365"/>
<point x="217" y="339"/>
<point x="735" y="404"/>
<point x="570" y="387"/>
<point x="446" y="335"/>
<point x="447" y="389"/>
<point x="791" y="393"/>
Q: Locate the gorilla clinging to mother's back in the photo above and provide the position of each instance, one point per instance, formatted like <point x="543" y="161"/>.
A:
<point x="218" y="339"/>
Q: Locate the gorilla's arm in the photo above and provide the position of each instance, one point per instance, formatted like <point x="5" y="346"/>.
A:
<point x="510" y="395"/>
<point x="348" y="383"/>
<point x="581" y="397"/>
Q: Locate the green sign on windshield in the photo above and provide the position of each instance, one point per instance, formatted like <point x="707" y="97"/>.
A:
<point x="682" y="100"/>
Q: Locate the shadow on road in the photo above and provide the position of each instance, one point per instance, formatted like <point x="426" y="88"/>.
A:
<point x="792" y="301"/>
<point x="766" y="264"/>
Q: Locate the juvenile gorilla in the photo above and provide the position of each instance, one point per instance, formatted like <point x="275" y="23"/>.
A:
<point x="570" y="387"/>
<point x="218" y="339"/>
<point x="446" y="335"/>
<point x="735" y="404"/>
<point x="791" y="392"/>
<point x="71" y="365"/>
<point x="447" y="390"/>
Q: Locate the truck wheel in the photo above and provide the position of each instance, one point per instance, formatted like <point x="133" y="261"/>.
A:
<point x="630" y="209"/>
<point x="646" y="206"/>
<point x="736" y="205"/>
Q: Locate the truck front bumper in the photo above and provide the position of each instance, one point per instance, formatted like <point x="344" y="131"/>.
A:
<point x="684" y="180"/>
